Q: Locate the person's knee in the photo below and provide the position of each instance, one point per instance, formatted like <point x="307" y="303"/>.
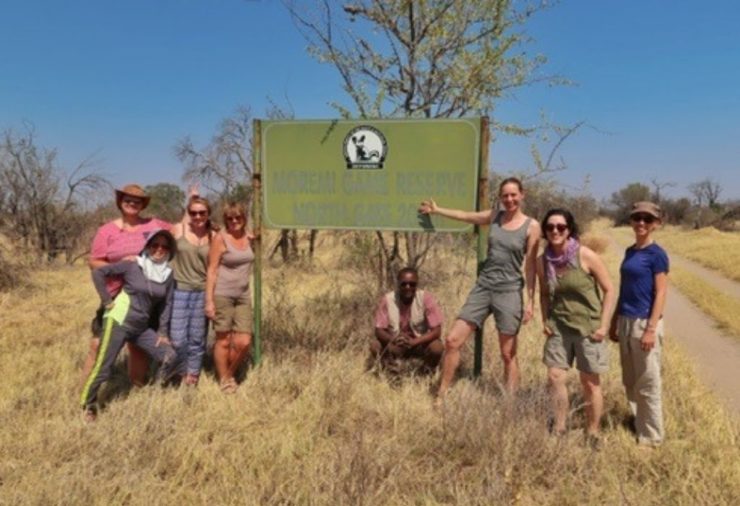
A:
<point x="436" y="348"/>
<point x="242" y="341"/>
<point x="556" y="376"/>
<point x="508" y="355"/>
<point x="591" y="382"/>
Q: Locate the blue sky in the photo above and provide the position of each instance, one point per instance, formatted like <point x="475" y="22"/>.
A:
<point x="659" y="81"/>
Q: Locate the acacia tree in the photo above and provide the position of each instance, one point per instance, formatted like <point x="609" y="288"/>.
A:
<point x="425" y="58"/>
<point x="43" y="206"/>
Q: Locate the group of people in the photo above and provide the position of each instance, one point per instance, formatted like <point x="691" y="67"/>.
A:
<point x="577" y="301"/>
<point x="159" y="284"/>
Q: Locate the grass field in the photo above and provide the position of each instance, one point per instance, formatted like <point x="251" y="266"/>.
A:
<point x="311" y="427"/>
<point x="708" y="246"/>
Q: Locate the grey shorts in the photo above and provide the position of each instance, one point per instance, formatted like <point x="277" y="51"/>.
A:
<point x="565" y="345"/>
<point x="505" y="306"/>
<point x="233" y="314"/>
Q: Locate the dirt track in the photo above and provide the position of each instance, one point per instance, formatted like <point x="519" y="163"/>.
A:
<point x="716" y="355"/>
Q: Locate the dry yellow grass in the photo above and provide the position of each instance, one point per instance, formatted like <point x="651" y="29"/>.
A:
<point x="725" y="309"/>
<point x="708" y="246"/>
<point x="311" y="427"/>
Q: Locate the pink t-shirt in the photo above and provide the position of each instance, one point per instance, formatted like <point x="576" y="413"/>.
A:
<point x="113" y="244"/>
<point x="432" y="313"/>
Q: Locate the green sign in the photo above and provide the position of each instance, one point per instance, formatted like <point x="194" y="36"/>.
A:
<point x="368" y="175"/>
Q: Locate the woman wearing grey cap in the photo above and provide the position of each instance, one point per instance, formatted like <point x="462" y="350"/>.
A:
<point x="638" y="323"/>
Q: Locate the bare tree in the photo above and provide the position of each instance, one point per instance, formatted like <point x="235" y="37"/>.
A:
<point x="706" y="192"/>
<point x="659" y="186"/>
<point x="224" y="165"/>
<point x="432" y="59"/>
<point x="42" y="206"/>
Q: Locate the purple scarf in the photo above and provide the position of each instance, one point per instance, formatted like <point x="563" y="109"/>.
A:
<point x="553" y="262"/>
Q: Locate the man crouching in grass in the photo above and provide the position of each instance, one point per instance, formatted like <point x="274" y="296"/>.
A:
<point x="408" y="325"/>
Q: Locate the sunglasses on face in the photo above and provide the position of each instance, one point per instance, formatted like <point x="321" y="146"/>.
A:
<point x="159" y="245"/>
<point x="132" y="201"/>
<point x="409" y="284"/>
<point x="198" y="213"/>
<point x="645" y="218"/>
<point x="560" y="227"/>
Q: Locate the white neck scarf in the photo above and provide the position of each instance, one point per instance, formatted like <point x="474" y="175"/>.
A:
<point x="157" y="272"/>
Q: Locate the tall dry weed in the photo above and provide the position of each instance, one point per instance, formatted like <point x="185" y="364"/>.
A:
<point x="310" y="426"/>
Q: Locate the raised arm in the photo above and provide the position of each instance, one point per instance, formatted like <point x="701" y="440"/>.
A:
<point x="530" y="267"/>
<point x="595" y="266"/>
<point x="474" y="217"/>
<point x="217" y="249"/>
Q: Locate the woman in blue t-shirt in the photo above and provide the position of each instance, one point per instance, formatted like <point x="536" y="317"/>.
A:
<point x="638" y="324"/>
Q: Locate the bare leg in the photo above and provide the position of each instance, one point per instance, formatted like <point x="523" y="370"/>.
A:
<point x="457" y="336"/>
<point x="239" y="350"/>
<point x="594" y="399"/>
<point x="558" y="397"/>
<point x="433" y="354"/>
<point x="507" y="346"/>
<point x="221" y="356"/>
<point x="138" y="365"/>
<point x="90" y="359"/>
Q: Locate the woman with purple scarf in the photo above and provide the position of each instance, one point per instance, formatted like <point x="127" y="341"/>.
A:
<point x="576" y="318"/>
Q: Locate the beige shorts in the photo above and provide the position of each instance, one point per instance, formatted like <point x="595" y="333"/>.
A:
<point x="233" y="314"/>
<point x="565" y="345"/>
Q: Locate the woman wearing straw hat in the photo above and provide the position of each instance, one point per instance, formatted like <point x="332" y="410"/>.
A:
<point x="122" y="239"/>
<point x="638" y="323"/>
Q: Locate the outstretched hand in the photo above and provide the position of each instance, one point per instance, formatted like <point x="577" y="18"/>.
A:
<point x="428" y="207"/>
<point x="194" y="190"/>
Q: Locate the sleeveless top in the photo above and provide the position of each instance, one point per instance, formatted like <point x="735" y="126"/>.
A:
<point x="234" y="270"/>
<point x="502" y="270"/>
<point x="575" y="303"/>
<point x="189" y="265"/>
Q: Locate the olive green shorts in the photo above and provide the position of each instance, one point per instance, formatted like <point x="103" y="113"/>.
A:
<point x="565" y="344"/>
<point x="233" y="314"/>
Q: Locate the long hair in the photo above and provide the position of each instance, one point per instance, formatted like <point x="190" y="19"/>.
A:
<point x="197" y="199"/>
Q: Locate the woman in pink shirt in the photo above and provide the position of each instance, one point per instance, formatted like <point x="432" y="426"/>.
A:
<point x="122" y="239"/>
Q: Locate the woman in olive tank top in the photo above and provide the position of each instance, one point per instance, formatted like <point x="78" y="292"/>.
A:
<point x="512" y="242"/>
<point x="228" y="302"/>
<point x="576" y="319"/>
<point x="189" y="326"/>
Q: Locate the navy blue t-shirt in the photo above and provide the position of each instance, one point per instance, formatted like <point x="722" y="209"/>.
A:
<point x="637" y="285"/>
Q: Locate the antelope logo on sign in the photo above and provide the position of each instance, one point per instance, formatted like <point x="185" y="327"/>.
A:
<point x="365" y="147"/>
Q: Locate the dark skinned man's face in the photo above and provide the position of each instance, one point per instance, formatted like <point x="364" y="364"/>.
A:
<point x="407" y="286"/>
